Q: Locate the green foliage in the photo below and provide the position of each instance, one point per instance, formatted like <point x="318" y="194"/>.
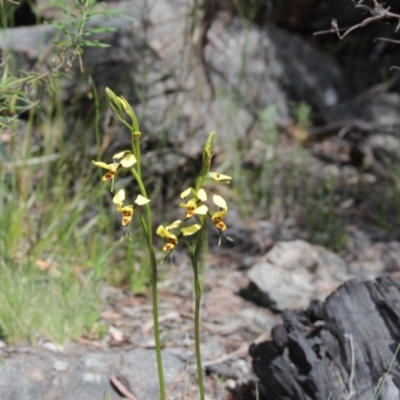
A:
<point x="14" y="98"/>
<point x="77" y="33"/>
<point x="285" y="186"/>
<point x="17" y="89"/>
<point x="35" y="305"/>
<point x="55" y="245"/>
<point x="322" y="220"/>
<point x="302" y="113"/>
<point x="7" y="15"/>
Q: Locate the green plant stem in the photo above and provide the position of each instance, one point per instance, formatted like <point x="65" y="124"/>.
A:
<point x="153" y="263"/>
<point x="382" y="382"/>
<point x="136" y="153"/>
<point x="197" y="297"/>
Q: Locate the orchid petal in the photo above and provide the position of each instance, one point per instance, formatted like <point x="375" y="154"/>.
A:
<point x="219" y="201"/>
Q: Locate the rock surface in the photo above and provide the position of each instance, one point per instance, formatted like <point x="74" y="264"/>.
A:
<point x="251" y="68"/>
<point x="68" y="375"/>
<point x="311" y="272"/>
<point x="296" y="272"/>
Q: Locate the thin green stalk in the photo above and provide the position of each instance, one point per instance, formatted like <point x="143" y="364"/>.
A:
<point x="136" y="153"/>
<point x="382" y="382"/>
<point x="153" y="263"/>
<point x="197" y="296"/>
<point x="195" y="256"/>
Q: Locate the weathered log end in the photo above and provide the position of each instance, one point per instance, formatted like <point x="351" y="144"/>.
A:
<point x="338" y="349"/>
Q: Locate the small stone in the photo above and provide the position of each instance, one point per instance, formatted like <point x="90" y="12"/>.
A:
<point x="60" y="366"/>
<point x="52" y="347"/>
<point x="230" y="384"/>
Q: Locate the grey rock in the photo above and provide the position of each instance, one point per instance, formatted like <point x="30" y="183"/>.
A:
<point x="386" y="146"/>
<point x="293" y="273"/>
<point x="60" y="366"/>
<point x="152" y="62"/>
<point x="79" y="374"/>
<point x="375" y="259"/>
<point x="380" y="110"/>
<point x="319" y="86"/>
<point x="140" y="369"/>
<point x="42" y="376"/>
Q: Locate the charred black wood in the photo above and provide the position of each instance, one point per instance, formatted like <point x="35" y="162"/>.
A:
<point x="342" y="348"/>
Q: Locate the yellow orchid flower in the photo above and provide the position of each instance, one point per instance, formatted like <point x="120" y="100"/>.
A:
<point x="172" y="239"/>
<point x="193" y="205"/>
<point x="165" y="232"/>
<point x="123" y="159"/>
<point x="127" y="211"/>
<point x="218" y="217"/>
<point x="111" y="168"/>
<point x="220" y="177"/>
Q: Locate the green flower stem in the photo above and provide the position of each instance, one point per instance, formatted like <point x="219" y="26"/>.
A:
<point x="195" y="257"/>
<point x="197" y="296"/>
<point x="136" y="153"/>
<point x="149" y="236"/>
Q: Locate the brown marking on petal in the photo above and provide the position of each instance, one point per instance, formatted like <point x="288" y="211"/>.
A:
<point x="219" y="224"/>
<point x="109" y="175"/>
<point x="126" y="220"/>
<point x="189" y="213"/>
<point x="171" y="243"/>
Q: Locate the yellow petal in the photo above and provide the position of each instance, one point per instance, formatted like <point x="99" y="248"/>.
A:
<point x="202" y="210"/>
<point x="190" y="230"/>
<point x="186" y="193"/>
<point x="219" y="201"/>
<point x="219" y="177"/>
<point x="219" y="215"/>
<point x="140" y="200"/>
<point x="110" y="167"/>
<point x="128" y="161"/>
<point x="121" y="154"/>
<point x="119" y="197"/>
<point x="126" y="210"/>
<point x="175" y="224"/>
<point x="163" y="232"/>
<point x="202" y="195"/>
<point x="190" y="204"/>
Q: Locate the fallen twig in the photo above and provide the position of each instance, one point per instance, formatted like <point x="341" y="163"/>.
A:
<point x="122" y="388"/>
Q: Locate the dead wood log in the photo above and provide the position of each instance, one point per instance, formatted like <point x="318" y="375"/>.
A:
<point x="339" y="349"/>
